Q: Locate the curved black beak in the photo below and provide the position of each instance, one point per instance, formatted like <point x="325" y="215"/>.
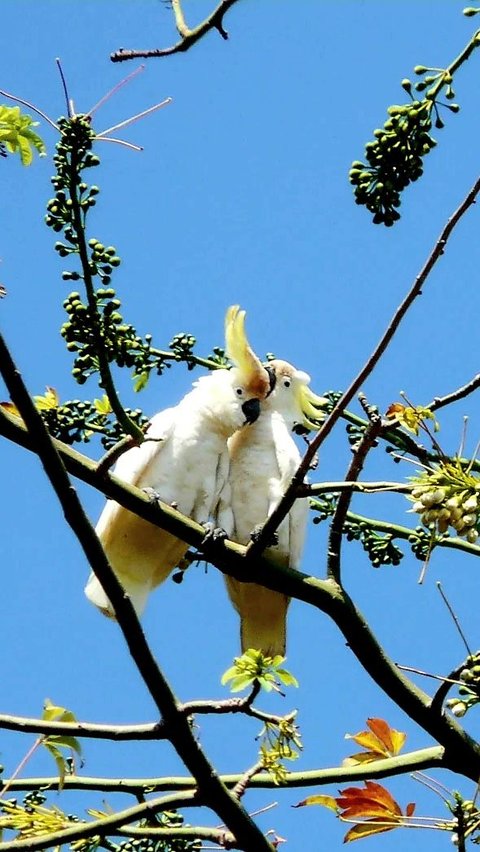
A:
<point x="251" y="410"/>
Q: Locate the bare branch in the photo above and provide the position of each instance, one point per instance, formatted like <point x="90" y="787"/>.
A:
<point x="277" y="516"/>
<point x="149" y="731"/>
<point x="188" y="37"/>
<point x="460" y="393"/>
<point x="335" y="538"/>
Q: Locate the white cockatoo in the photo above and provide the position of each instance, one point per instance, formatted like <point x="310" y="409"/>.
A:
<point x="263" y="460"/>
<point x="185" y="465"/>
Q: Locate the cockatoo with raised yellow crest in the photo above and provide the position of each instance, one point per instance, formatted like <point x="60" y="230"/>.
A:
<point x="263" y="460"/>
<point x="186" y="465"/>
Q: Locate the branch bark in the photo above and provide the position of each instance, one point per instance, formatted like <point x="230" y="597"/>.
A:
<point x="426" y="758"/>
<point x="188" y="37"/>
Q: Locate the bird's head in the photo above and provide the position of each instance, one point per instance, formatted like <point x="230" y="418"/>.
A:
<point x="235" y="394"/>
<point x="291" y="396"/>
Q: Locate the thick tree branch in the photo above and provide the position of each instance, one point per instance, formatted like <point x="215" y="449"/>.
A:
<point x="277" y="516"/>
<point x="213" y="792"/>
<point x="426" y="758"/>
<point x="188" y="37"/>
<point x="147" y="731"/>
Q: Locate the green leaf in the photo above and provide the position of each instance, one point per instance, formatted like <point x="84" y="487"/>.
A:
<point x="141" y="381"/>
<point x="287" y="677"/>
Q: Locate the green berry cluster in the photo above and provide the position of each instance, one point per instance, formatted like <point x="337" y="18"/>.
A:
<point x="395" y="155"/>
<point x="444" y="506"/>
<point x="380" y="549"/>
<point x="75" y="421"/>
<point x="182" y="347"/>
<point x="73" y="154"/>
<point x="420" y="542"/>
<point x="324" y="505"/>
<point x="167" y="819"/>
<point x="469" y="694"/>
<point x="120" y="341"/>
<point x="394" y="160"/>
<point x="219" y="357"/>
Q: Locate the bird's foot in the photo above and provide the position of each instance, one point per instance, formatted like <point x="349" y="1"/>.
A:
<point x="152" y="495"/>
<point x="213" y="535"/>
<point x="255" y="535"/>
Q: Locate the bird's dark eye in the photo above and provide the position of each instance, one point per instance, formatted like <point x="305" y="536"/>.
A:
<point x="239" y="391"/>
<point x="286" y="383"/>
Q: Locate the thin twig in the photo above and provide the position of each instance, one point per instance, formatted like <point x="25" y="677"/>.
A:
<point x="454" y="617"/>
<point x="277" y="516"/>
<point x="335" y="537"/>
<point x="440" y="401"/>
<point x="189" y="37"/>
<point x="241" y="786"/>
<point x="30" y="106"/>
<point x="309" y="490"/>
<point x="113" y="454"/>
<point x="445" y="687"/>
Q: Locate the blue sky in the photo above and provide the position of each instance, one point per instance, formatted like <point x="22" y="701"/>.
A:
<point x="240" y="196"/>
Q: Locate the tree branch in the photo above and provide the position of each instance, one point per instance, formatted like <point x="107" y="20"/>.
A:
<point x="335" y="537"/>
<point x="101" y="827"/>
<point x="324" y="595"/>
<point x="211" y="789"/>
<point x="147" y="731"/>
<point x="440" y="401"/>
<point x="426" y="758"/>
<point x="277" y="516"/>
<point x="188" y="37"/>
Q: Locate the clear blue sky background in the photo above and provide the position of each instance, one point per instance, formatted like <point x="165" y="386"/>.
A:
<point x="241" y="195"/>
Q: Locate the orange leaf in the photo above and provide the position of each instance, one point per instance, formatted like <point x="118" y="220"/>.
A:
<point x="366" y="829"/>
<point x="410" y="809"/>
<point x="374" y="797"/>
<point x="392" y="739"/>
<point x="380" y="741"/>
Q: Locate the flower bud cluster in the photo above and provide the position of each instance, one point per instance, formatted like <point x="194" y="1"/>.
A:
<point x="441" y="507"/>
<point x="469" y="693"/>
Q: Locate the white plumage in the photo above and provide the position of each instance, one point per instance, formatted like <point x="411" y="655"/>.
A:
<point x="263" y="460"/>
<point x="186" y="465"/>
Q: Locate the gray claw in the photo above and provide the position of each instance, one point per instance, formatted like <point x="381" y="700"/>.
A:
<point x="255" y="534"/>
<point x="152" y="495"/>
<point x="213" y="534"/>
